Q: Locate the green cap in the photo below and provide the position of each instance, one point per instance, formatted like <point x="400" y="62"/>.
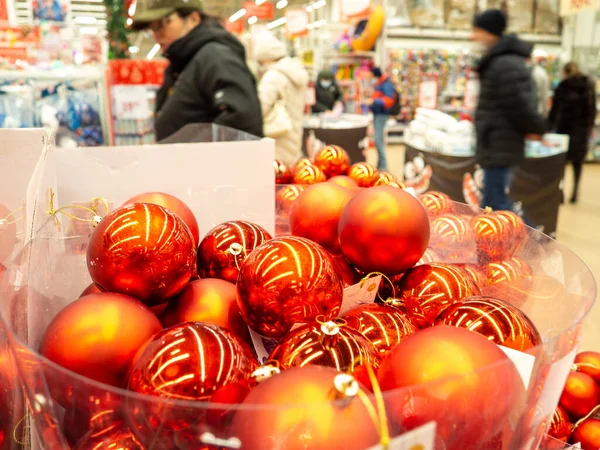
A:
<point x="147" y="11"/>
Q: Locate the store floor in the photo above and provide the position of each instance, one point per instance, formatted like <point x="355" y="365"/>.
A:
<point x="578" y="229"/>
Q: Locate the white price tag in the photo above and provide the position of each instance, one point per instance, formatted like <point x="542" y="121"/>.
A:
<point x="131" y="102"/>
<point x="523" y="362"/>
<point x="555" y="382"/>
<point x="361" y="293"/>
<point x="422" y="438"/>
<point x="428" y="94"/>
<point x="263" y="345"/>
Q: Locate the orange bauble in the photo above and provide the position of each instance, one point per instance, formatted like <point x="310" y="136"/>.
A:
<point x="516" y="229"/>
<point x="452" y="235"/>
<point x="8" y="232"/>
<point x="286" y="196"/>
<point x="383" y="326"/>
<point x="288" y="281"/>
<point x="91" y="289"/>
<point x="494" y="243"/>
<point x="429" y="289"/>
<point x="364" y="174"/>
<point x="348" y="274"/>
<point x="469" y="403"/>
<point x="142" y="250"/>
<point x="384" y="229"/>
<point x="327" y="344"/>
<point x="589" y="363"/>
<point x="315" y="214"/>
<point x="283" y="174"/>
<point x="304" y="162"/>
<point x="11" y="398"/>
<point x="497" y="320"/>
<point x="560" y="426"/>
<point x="225" y="248"/>
<point x="98" y="335"/>
<point x="587" y="434"/>
<point x="580" y="395"/>
<point x="436" y="203"/>
<point x="114" y="437"/>
<point x="173" y="204"/>
<point x="328" y="414"/>
<point x="208" y="300"/>
<point x="344" y="181"/>
<point x="309" y="175"/>
<point x="430" y="256"/>
<point x="509" y="276"/>
<point x="476" y="273"/>
<point x="332" y="160"/>
<point x="386" y="179"/>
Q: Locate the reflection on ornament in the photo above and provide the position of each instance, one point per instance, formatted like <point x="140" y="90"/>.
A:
<point x="333" y="161"/>
<point x="309" y="175"/>
<point x="225" y="248"/>
<point x="283" y="174"/>
<point x="364" y="174"/>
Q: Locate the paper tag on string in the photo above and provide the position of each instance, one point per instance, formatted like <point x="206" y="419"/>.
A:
<point x="263" y="345"/>
<point x="524" y="363"/>
<point x="422" y="438"/>
<point x="361" y="293"/>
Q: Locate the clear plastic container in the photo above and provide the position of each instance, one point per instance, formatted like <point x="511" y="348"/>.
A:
<point x="47" y="275"/>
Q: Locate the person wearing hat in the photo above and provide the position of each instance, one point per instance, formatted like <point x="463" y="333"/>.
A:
<point x="506" y="113"/>
<point x="327" y="93"/>
<point x="281" y="89"/>
<point x="381" y="103"/>
<point x="208" y="80"/>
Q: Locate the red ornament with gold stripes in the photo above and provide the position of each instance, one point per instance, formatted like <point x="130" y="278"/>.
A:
<point x="332" y="160"/>
<point x="309" y="175"/>
<point x="364" y="174"/>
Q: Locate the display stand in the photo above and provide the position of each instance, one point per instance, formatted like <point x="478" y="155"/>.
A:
<point x="349" y="131"/>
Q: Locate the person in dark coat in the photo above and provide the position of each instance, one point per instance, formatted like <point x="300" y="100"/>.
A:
<point x="506" y="112"/>
<point x="574" y="113"/>
<point x="327" y="92"/>
<point x="208" y="80"/>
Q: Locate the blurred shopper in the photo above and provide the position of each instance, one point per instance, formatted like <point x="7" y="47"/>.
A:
<point x="381" y="103"/>
<point x="281" y="90"/>
<point x="541" y="82"/>
<point x="506" y="112"/>
<point x="208" y="80"/>
<point x="327" y="92"/>
<point x="574" y="113"/>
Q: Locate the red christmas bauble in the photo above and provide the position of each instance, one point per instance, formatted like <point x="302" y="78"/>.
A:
<point x="587" y="434"/>
<point x="303" y="162"/>
<point x="328" y="416"/>
<point x="516" y="229"/>
<point x="327" y="344"/>
<point x="283" y="174"/>
<point x="210" y="301"/>
<point x="389" y="288"/>
<point x="333" y="161"/>
<point x="173" y="204"/>
<point x="309" y="175"/>
<point x="225" y="248"/>
<point x="315" y="214"/>
<point x="8" y="233"/>
<point x="560" y="425"/>
<point x="364" y="174"/>
<point x="286" y="196"/>
<point x="492" y="237"/>
<point x="114" y="437"/>
<point x="384" y="229"/>
<point x="589" y="363"/>
<point x="430" y="256"/>
<point x="476" y="274"/>
<point x="580" y="395"/>
<point x="142" y="250"/>
<point x="13" y="405"/>
<point x="429" y="289"/>
<point x="91" y="289"/>
<point x="384" y="326"/>
<point x="436" y="203"/>
<point x="288" y="281"/>
<point x="344" y="181"/>
<point x="452" y="235"/>
<point x="509" y="279"/>
<point x="348" y="274"/>
<point x="457" y="378"/>
<point x="97" y="336"/>
<point x="497" y="320"/>
<point x="385" y="178"/>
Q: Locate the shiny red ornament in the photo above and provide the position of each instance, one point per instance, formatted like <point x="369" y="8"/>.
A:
<point x="389" y="287"/>
<point x="333" y="161"/>
<point x="589" y="363"/>
<point x="209" y="300"/>
<point x="560" y="425"/>
<point x="348" y="274"/>
<point x="309" y="175"/>
<point x="98" y="335"/>
<point x="459" y="379"/>
<point x="8" y="233"/>
<point x="344" y="181"/>
<point x="142" y="250"/>
<point x="283" y="174"/>
<point x="492" y="237"/>
<point x="174" y="205"/>
<point x="495" y="319"/>
<point x="364" y="174"/>
<point x="288" y="281"/>
<point x="451" y="234"/>
<point x="387" y="179"/>
<point x="315" y="214"/>
<point x="516" y="229"/>
<point x="430" y="256"/>
<point x="91" y="289"/>
<point x="13" y="404"/>
<point x="384" y="229"/>
<point x="580" y="395"/>
<point x="383" y="326"/>
<point x="328" y="344"/>
<point x="437" y="203"/>
<point x="114" y="437"/>
<point x="509" y="279"/>
<point x="328" y="415"/>
<point x="286" y="196"/>
<point x="476" y="273"/>
<point x="587" y="434"/>
<point x="429" y="289"/>
<point x="304" y="162"/>
<point x="225" y="248"/>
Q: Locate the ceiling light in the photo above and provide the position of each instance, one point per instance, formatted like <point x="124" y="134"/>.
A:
<point x="277" y="23"/>
<point x="260" y="2"/>
<point x="133" y="49"/>
<point x="309" y="8"/>
<point x="85" y="20"/>
<point x="238" y="15"/>
<point x="252" y="20"/>
<point x="131" y="11"/>
<point x="318" y="4"/>
<point x="317" y="24"/>
<point x="153" y="51"/>
<point x="281" y="4"/>
<point x="88" y="30"/>
<point x="129" y="21"/>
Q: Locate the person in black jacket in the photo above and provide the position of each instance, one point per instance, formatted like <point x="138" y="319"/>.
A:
<point x="506" y="112"/>
<point x="208" y="80"/>
<point x="574" y="113"/>
<point x="327" y="92"/>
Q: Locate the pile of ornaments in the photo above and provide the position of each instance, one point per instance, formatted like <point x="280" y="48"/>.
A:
<point x="577" y="418"/>
<point x="177" y="320"/>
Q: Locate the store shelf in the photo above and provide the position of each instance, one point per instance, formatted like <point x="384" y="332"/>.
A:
<point x="462" y="35"/>
<point x="66" y="74"/>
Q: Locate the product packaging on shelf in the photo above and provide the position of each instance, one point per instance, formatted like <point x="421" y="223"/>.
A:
<point x="520" y="16"/>
<point x="547" y="17"/>
<point x="460" y="14"/>
<point x="426" y="13"/>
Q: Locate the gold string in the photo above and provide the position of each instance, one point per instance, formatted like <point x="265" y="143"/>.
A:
<point x="385" y="277"/>
<point x="340" y="322"/>
<point x="378" y="415"/>
<point x="576" y="366"/>
<point x="583" y="419"/>
<point x="94" y="220"/>
<point x="15" y="430"/>
<point x="5" y="220"/>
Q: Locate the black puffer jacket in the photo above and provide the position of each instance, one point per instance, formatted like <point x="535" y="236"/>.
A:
<point x="574" y="113"/>
<point x="208" y="81"/>
<point x="326" y="96"/>
<point x="506" y="110"/>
